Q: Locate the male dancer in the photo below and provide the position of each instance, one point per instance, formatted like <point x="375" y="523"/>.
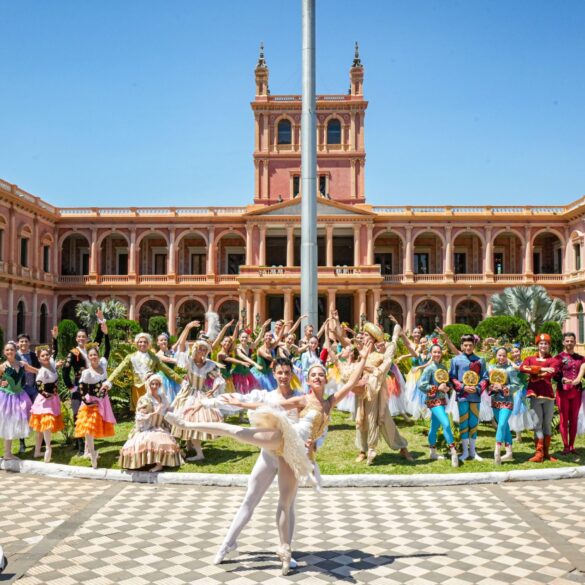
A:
<point x="568" y="394"/>
<point x="468" y="396"/>
<point x="266" y="466"/>
<point x="77" y="361"/>
<point x="30" y="385"/>
<point x="372" y="412"/>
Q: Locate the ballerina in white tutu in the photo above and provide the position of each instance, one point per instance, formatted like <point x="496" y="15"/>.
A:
<point x="273" y="430"/>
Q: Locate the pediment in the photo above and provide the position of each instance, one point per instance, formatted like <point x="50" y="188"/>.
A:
<point x="325" y="207"/>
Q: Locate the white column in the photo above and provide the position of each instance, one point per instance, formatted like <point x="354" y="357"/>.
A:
<point x="171" y="316"/>
<point x="290" y="243"/>
<point x="528" y="260"/>
<point x="361" y="303"/>
<point x="288" y="305"/>
<point x="409" y="317"/>
<point x="262" y="246"/>
<point x="370" y="245"/>
<point x="331" y="300"/>
<point x="211" y="250"/>
<point x="329" y="245"/>
<point x="408" y="252"/>
<point x="171" y="270"/>
<point x="449" y="313"/>
<point x="488" y="263"/>
<point x="132" y="308"/>
<point x="257" y="310"/>
<point x="93" y="252"/>
<point x="448" y="258"/>
<point x="249" y="235"/>
<point x="357" y="232"/>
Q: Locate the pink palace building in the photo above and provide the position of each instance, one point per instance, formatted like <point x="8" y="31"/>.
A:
<point x="425" y="265"/>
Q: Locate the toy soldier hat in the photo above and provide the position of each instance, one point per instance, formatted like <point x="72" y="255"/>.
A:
<point x="374" y="331"/>
<point x="542" y="337"/>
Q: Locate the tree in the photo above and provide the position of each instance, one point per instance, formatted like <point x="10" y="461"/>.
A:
<point x="66" y="336"/>
<point x="530" y="303"/>
<point x="504" y="326"/>
<point x="86" y="311"/>
<point x="455" y="331"/>
<point x="123" y="330"/>
<point x="157" y="324"/>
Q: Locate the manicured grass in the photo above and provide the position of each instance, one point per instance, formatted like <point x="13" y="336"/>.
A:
<point x="337" y="456"/>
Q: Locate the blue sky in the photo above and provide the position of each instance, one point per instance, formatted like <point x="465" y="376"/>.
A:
<point x="144" y="102"/>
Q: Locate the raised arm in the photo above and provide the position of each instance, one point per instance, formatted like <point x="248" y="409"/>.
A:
<point x="254" y="344"/>
<point x="221" y="335"/>
<point x="452" y="347"/>
<point x="182" y="341"/>
<point x="297" y="324"/>
<point x="390" y="350"/>
<point x="355" y="376"/>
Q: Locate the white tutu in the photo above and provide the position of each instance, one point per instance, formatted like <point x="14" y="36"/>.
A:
<point x="397" y="402"/>
<point x="415" y="399"/>
<point x="452" y="407"/>
<point x="486" y="413"/>
<point x="522" y="418"/>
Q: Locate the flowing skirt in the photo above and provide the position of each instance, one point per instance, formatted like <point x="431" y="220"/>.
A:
<point x="90" y="422"/>
<point x="169" y="387"/>
<point x="155" y="446"/>
<point x="266" y="380"/>
<point x="244" y="383"/>
<point x="14" y="415"/>
<point x="396" y="392"/>
<point x="202" y="414"/>
<point x="415" y="399"/>
<point x="486" y="412"/>
<point x="522" y="417"/>
<point x="46" y="414"/>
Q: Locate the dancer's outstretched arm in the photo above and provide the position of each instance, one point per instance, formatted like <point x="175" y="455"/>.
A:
<point x="355" y="375"/>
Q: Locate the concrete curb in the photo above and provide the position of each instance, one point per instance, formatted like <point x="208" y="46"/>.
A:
<point x="329" y="481"/>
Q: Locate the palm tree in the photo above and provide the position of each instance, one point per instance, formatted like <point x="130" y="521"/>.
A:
<point x="86" y="311"/>
<point x="530" y="303"/>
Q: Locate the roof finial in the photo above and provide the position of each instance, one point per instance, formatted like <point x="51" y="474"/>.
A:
<point x="356" y="59"/>
<point x="261" y="61"/>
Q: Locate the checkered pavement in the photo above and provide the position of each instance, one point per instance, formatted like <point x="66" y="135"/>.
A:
<point x="140" y="534"/>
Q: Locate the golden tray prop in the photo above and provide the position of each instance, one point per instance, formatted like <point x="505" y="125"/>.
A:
<point x="498" y="376"/>
<point x="470" y="378"/>
<point x="441" y="376"/>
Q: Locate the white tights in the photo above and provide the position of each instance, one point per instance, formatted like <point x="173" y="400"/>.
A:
<point x="287" y="483"/>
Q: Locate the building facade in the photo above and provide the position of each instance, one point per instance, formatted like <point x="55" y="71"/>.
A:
<point x="426" y="265"/>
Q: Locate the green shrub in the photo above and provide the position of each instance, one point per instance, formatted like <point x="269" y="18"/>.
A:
<point x="121" y="389"/>
<point x="123" y="330"/>
<point x="66" y="336"/>
<point x="504" y="327"/>
<point x="455" y="331"/>
<point x="556" y="335"/>
<point x="157" y="324"/>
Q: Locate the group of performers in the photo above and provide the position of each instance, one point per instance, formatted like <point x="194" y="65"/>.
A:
<point x="181" y="394"/>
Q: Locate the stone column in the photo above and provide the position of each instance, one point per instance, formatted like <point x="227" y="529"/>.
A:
<point x="408" y="252"/>
<point x="488" y="262"/>
<point x="448" y="257"/>
<point x="370" y="245"/>
<point x="528" y="260"/>
<point x="171" y="269"/>
<point x="242" y="302"/>
<point x="210" y="302"/>
<point x="352" y="178"/>
<point x="409" y="317"/>
<point x="171" y="316"/>
<point x="568" y="264"/>
<point x="211" y="251"/>
<point x="490" y="310"/>
<point x="257" y="310"/>
<point x="35" y="264"/>
<point x="93" y="252"/>
<point x="132" y="308"/>
<point x="377" y="292"/>
<point x="249" y="234"/>
<point x="132" y="254"/>
<point x="357" y="257"/>
<point x="328" y="245"/>
<point x="449" y="311"/>
<point x="361" y="303"/>
<point x="288" y="305"/>
<point x="262" y="246"/>
<point x="265" y="177"/>
<point x="290" y="245"/>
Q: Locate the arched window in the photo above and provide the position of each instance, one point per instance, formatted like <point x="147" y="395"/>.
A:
<point x="429" y="315"/>
<point x="284" y="132"/>
<point x="43" y="324"/>
<point x="20" y="319"/>
<point x="581" y="323"/>
<point x="468" y="312"/>
<point x="334" y="131"/>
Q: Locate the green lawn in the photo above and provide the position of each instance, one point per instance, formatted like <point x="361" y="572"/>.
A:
<point x="336" y="456"/>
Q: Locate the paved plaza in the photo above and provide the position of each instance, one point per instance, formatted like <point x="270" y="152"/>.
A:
<point x="64" y="532"/>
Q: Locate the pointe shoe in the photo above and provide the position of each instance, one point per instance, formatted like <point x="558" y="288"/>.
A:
<point x="509" y="456"/>
<point x="156" y="468"/>
<point x="434" y="456"/>
<point x="371" y="456"/>
<point x="37" y="455"/>
<point x="361" y="457"/>
<point x="48" y="453"/>
<point x="454" y="459"/>
<point x="285" y="555"/>
<point x="195" y="458"/>
<point x="497" y="455"/>
<point x="94" y="459"/>
<point x="405" y="454"/>
<point x="225" y="553"/>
